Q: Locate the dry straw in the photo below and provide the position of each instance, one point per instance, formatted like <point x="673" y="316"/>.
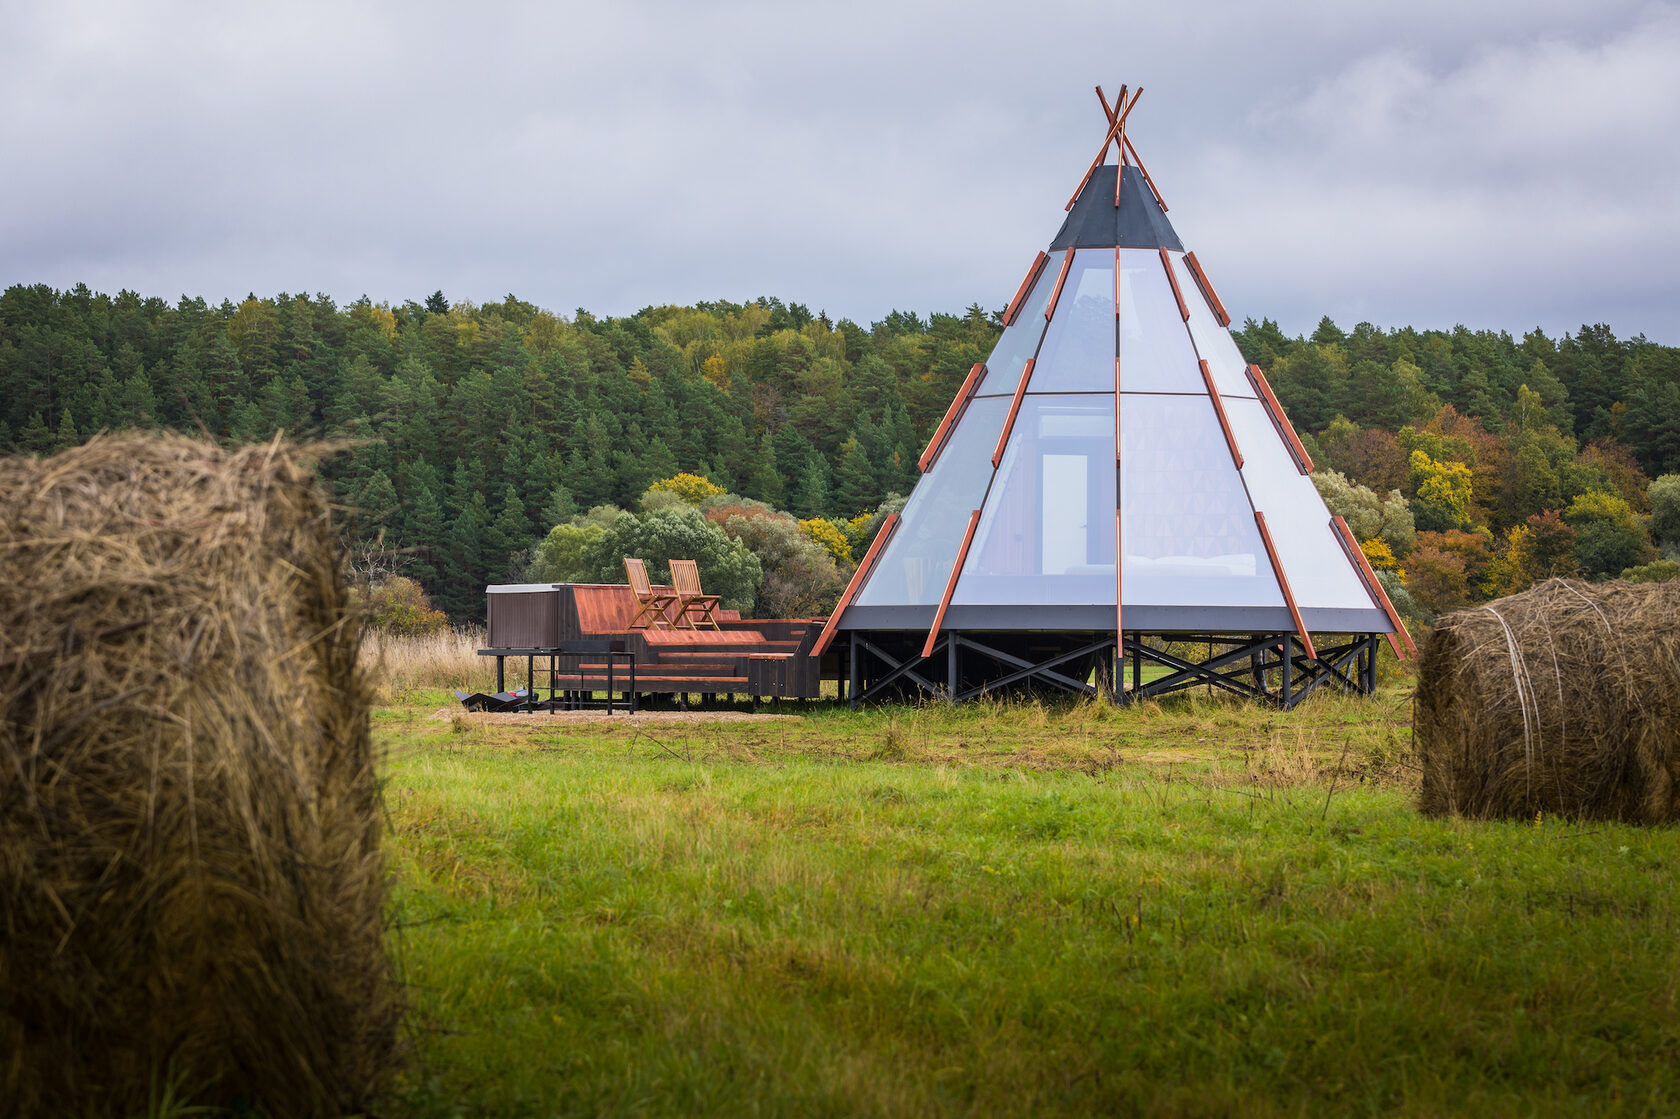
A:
<point x="1564" y="699"/>
<point x="191" y="885"/>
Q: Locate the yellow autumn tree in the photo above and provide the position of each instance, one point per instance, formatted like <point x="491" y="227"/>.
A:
<point x="692" y="488"/>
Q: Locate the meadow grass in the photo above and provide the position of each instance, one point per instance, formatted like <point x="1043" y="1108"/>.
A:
<point x="1188" y="908"/>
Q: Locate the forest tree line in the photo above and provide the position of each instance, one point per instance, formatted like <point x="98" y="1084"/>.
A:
<point x="1470" y="462"/>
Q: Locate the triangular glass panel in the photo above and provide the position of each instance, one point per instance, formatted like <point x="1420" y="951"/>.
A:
<point x="1319" y="574"/>
<point x="916" y="562"/>
<point x="1155" y="350"/>
<point x="1214" y="343"/>
<point x="1019" y="340"/>
<point x="1078" y="350"/>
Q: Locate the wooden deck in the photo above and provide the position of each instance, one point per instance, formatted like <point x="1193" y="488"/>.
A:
<point x="762" y="657"/>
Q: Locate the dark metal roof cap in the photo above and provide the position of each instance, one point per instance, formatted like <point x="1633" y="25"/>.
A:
<point x="1138" y="222"/>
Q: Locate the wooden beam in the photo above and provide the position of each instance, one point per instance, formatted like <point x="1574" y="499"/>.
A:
<point x="951" y="584"/>
<point x="1118" y="609"/>
<point x="1153" y="189"/>
<point x="1219" y="410"/>
<point x="1119" y="555"/>
<point x="888" y="527"/>
<point x="1258" y="380"/>
<point x="1014" y="307"/>
<point x="1283" y="584"/>
<point x="1208" y="293"/>
<point x="1009" y="420"/>
<point x="1108" y="138"/>
<point x="935" y="444"/>
<point x="1061" y="278"/>
<point x="1373" y="586"/>
<point x="1166" y="263"/>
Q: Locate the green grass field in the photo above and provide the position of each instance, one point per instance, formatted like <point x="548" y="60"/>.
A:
<point x="1184" y="909"/>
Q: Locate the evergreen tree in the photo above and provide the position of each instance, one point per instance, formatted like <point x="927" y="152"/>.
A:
<point x="854" y="480"/>
<point x="559" y="508"/>
<point x="375" y="506"/>
<point x="659" y="462"/>
<point x="506" y="536"/>
<point x="765" y="481"/>
<point x="420" y="531"/>
<point x="793" y="453"/>
<point x="811" y="499"/>
<point x="462" y="591"/>
<point x="136" y="405"/>
<point x="66" y="436"/>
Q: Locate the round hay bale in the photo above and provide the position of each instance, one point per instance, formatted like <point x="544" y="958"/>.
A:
<point x="191" y="886"/>
<point x="1564" y="699"/>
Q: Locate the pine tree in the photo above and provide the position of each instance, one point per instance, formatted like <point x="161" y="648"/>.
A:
<point x="375" y="505"/>
<point x="854" y="479"/>
<point x="462" y="592"/>
<point x="421" y="532"/>
<point x="659" y="462"/>
<point x="811" y="498"/>
<point x="765" y="481"/>
<point x="506" y="536"/>
<point x="66" y="436"/>
<point x="36" y="437"/>
<point x="136" y="403"/>
<point x="560" y="508"/>
<point x="793" y="452"/>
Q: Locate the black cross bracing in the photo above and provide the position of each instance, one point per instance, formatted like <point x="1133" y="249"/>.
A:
<point x="1272" y="668"/>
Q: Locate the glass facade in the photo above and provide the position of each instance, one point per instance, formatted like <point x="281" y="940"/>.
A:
<point x="1214" y="343"/>
<point x="917" y="560"/>
<point x="1047" y="533"/>
<point x="1187" y="532"/>
<point x="1078" y="350"/>
<point x="1155" y="350"/>
<point x="1318" y="570"/>
<point x="1019" y="340"/>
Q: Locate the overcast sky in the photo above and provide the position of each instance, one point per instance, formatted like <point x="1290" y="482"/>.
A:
<point x="1500" y="164"/>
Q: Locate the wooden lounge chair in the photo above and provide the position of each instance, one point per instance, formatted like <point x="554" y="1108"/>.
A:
<point x="651" y="605"/>
<point x="694" y="606"/>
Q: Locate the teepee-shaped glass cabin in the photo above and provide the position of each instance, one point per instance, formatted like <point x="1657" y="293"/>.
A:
<point x="1113" y="484"/>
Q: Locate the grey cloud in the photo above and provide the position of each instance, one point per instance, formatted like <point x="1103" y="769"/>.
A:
<point x="1501" y="164"/>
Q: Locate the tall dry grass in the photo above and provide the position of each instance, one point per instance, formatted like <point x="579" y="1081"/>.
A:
<point x="401" y="666"/>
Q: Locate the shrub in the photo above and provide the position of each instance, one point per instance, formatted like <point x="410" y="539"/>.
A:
<point x="695" y="489"/>
<point x="800" y="576"/>
<point x="1658" y="571"/>
<point x="826" y="534"/>
<point x="399" y="606"/>
<point x="1608" y="535"/>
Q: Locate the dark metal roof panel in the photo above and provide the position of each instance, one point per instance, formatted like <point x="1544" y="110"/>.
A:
<point x="1138" y="222"/>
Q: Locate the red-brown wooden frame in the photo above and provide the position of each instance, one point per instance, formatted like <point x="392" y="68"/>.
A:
<point x="1283" y="584"/>
<point x="1119" y="555"/>
<point x="1061" y="278"/>
<point x="1114" y="127"/>
<point x="1153" y="189"/>
<point x="1208" y="293"/>
<point x="1219" y="410"/>
<point x="1014" y="307"/>
<point x="1014" y="407"/>
<point x="862" y="573"/>
<point x="1258" y="380"/>
<point x="937" y="443"/>
<point x="951" y="584"/>
<point x="1166" y="263"/>
<point x="1375" y="588"/>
